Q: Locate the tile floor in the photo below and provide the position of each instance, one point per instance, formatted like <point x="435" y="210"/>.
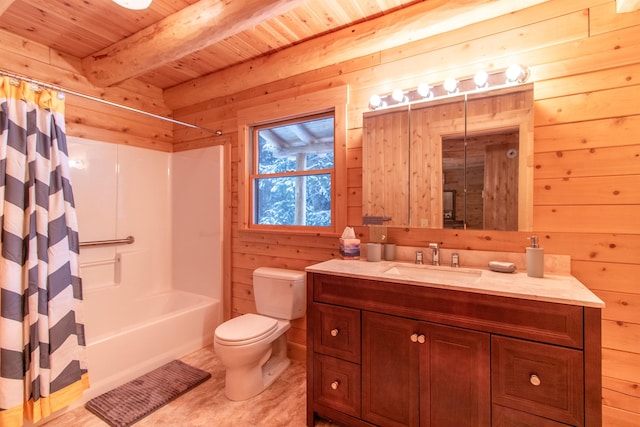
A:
<point x="281" y="405"/>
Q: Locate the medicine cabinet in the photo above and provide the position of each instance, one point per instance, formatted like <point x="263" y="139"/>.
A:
<point x="471" y="153"/>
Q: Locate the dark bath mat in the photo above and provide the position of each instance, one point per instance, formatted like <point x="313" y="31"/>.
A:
<point x="132" y="401"/>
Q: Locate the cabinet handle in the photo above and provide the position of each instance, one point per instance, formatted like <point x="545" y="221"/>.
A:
<point x="335" y="332"/>
<point x="535" y="380"/>
<point x="414" y="338"/>
<point x="335" y="385"/>
<point x="421" y="339"/>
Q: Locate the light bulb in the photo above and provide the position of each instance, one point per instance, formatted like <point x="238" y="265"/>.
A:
<point x="398" y="95"/>
<point x="424" y="90"/>
<point x="374" y="101"/>
<point x="516" y="73"/>
<point x="481" y="79"/>
<point x="450" y="85"/>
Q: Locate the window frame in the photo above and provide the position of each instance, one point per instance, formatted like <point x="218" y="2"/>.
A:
<point x="255" y="175"/>
<point x="331" y="100"/>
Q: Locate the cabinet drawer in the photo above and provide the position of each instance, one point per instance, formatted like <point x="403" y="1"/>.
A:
<point x="541" y="379"/>
<point x="336" y="384"/>
<point x="337" y="332"/>
<point x="507" y="417"/>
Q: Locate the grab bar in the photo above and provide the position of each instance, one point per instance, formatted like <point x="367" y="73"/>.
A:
<point x="126" y="241"/>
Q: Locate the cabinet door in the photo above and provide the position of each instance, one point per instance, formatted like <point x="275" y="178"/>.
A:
<point x="390" y="385"/>
<point x="455" y="368"/>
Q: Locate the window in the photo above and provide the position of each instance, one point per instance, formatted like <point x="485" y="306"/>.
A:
<point x="293" y="172"/>
<point x="292" y="164"/>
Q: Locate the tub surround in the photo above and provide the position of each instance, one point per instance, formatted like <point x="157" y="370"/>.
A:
<point x="391" y="346"/>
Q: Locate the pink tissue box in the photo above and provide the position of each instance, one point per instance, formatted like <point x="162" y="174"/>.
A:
<point x="350" y="248"/>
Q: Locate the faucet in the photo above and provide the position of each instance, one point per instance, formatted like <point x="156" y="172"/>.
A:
<point x="435" y="251"/>
<point x="418" y="257"/>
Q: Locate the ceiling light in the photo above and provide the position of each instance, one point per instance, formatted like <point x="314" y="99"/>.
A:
<point x="134" y="4"/>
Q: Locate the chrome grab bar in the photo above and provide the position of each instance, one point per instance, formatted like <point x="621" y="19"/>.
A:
<point x="126" y="241"/>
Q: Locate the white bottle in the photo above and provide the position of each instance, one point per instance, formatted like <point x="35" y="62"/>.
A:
<point x="535" y="259"/>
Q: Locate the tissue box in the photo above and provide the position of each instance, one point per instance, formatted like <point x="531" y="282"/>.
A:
<point x="350" y="248"/>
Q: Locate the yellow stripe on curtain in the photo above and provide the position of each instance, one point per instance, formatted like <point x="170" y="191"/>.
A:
<point x="45" y="406"/>
<point x="18" y="89"/>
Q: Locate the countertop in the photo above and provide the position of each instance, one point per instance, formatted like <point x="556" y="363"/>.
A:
<point x="563" y="289"/>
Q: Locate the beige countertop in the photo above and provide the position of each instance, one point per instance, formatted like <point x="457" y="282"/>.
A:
<point x="557" y="288"/>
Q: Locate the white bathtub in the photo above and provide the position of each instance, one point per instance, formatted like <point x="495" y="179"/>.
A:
<point x="127" y="339"/>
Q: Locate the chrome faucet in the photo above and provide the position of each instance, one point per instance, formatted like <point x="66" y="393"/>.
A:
<point x="435" y="252"/>
<point x="418" y="257"/>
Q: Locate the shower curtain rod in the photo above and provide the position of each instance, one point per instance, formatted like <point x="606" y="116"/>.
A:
<point x="104" y="101"/>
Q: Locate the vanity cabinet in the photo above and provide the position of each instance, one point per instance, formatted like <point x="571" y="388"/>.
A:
<point x="399" y="354"/>
<point x="419" y="373"/>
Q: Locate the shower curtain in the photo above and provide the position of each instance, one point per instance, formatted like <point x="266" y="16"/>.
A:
<point x="42" y="343"/>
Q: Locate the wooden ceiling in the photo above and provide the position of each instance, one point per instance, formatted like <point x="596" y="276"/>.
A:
<point x="174" y="41"/>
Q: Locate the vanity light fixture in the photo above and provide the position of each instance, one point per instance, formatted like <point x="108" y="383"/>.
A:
<point x="481" y="81"/>
<point x="134" y="4"/>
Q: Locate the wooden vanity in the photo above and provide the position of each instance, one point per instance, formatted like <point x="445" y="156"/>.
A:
<point x="393" y="352"/>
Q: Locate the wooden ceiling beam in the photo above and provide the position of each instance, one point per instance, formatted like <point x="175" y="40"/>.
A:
<point x="193" y="28"/>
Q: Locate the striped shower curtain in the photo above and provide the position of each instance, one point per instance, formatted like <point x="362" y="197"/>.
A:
<point x="42" y="363"/>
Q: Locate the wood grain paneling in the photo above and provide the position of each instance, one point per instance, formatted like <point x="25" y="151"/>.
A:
<point x="585" y="64"/>
<point x="585" y="61"/>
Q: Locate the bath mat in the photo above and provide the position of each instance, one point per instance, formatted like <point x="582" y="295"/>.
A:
<point x="132" y="401"/>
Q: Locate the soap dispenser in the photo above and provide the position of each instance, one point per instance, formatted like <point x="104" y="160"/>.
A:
<point x="535" y="258"/>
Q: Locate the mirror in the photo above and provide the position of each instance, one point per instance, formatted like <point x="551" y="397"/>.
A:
<point x="460" y="162"/>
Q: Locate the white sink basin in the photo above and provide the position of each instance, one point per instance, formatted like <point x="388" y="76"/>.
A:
<point x="434" y="274"/>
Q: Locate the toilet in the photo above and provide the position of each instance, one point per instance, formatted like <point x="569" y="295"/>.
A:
<point x="253" y="347"/>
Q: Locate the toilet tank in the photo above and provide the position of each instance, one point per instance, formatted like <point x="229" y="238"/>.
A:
<point x="279" y="292"/>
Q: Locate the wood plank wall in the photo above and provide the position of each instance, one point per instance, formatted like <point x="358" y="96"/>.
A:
<point x="86" y="118"/>
<point x="585" y="62"/>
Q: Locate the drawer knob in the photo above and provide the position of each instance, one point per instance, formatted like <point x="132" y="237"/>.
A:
<point x="335" y="385"/>
<point x="414" y="338"/>
<point x="335" y="332"/>
<point x="535" y="380"/>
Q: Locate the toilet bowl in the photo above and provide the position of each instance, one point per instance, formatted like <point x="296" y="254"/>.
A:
<point x="253" y="347"/>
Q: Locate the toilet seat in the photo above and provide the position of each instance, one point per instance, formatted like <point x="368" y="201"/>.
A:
<point x="245" y="329"/>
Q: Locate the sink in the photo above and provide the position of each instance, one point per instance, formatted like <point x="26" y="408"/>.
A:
<point x="434" y="274"/>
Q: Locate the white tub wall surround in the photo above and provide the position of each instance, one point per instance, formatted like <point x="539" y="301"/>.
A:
<point x="197" y="232"/>
<point x="142" y="309"/>
<point x="253" y="347"/>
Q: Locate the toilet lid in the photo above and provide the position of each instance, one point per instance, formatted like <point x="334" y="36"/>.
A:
<point x="248" y="327"/>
